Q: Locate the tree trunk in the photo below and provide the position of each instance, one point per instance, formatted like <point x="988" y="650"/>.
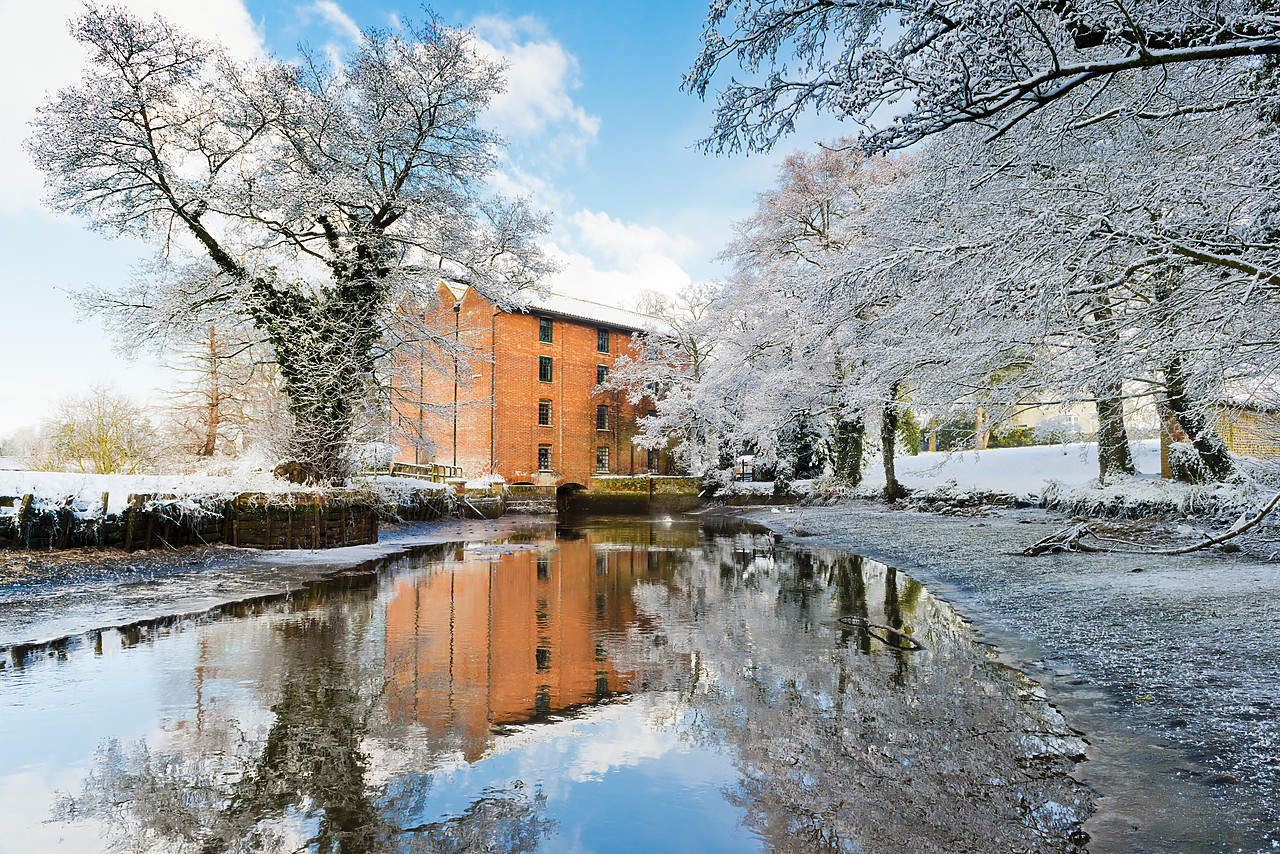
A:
<point x="211" y="425"/>
<point x="848" y="441"/>
<point x="893" y="490"/>
<point x="981" y="430"/>
<point x="1212" y="450"/>
<point x="1113" y="440"/>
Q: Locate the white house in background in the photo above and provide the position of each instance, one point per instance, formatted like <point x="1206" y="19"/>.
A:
<point x="1068" y="419"/>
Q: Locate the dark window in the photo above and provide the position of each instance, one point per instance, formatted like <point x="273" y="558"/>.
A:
<point x="602" y="340"/>
<point x="652" y="388"/>
<point x="544" y="413"/>
<point x="602" y="373"/>
<point x="542" y="656"/>
<point x="544" y="368"/>
<point x="602" y="458"/>
<point x="544" y="566"/>
<point x="544" y="458"/>
<point x="653" y="459"/>
<point x="544" y="329"/>
<point x="602" y="417"/>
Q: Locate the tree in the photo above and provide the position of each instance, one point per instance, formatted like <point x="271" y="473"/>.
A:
<point x="1121" y="261"/>
<point x="305" y="198"/>
<point x="953" y="62"/>
<point x="220" y="380"/>
<point x="805" y="342"/>
<point x="101" y="431"/>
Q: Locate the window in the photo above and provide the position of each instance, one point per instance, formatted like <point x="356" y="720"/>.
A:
<point x="651" y="387"/>
<point x="544" y="330"/>
<point x="653" y="460"/>
<point x="602" y="340"/>
<point x="602" y="458"/>
<point x="544" y="458"/>
<point x="544" y="368"/>
<point x="602" y="373"/>
<point x="602" y="417"/>
<point x="544" y="413"/>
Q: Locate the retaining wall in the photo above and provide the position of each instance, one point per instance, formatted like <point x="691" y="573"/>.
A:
<point x="256" y="520"/>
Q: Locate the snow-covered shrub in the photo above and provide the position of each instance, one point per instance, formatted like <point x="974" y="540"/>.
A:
<point x="1185" y="464"/>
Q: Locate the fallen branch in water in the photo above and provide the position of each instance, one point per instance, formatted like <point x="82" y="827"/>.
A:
<point x="916" y="646"/>
<point x="1070" y="539"/>
<point x="1067" y="539"/>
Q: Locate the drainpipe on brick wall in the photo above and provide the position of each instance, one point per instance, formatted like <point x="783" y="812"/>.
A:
<point x="457" y="312"/>
<point x="493" y="383"/>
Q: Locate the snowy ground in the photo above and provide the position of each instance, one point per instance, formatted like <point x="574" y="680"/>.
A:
<point x="1023" y="472"/>
<point x="1168" y="664"/>
<point x="1063" y="477"/>
<point x="85" y="491"/>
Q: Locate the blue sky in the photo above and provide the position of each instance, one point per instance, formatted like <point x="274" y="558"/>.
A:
<point x="600" y="135"/>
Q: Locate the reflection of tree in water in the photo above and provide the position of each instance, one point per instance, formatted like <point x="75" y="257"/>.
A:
<point x="306" y="786"/>
<point x="844" y="744"/>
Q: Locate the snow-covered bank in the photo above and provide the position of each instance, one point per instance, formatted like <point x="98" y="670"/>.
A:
<point x="1169" y="665"/>
<point x="1061" y="477"/>
<point x="84" y="491"/>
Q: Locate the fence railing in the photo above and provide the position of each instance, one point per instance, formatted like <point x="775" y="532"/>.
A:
<point x="432" y="472"/>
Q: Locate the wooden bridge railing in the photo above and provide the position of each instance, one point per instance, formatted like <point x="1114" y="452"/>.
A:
<point x="432" y="472"/>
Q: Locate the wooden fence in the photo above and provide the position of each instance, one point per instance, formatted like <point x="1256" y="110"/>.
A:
<point x="433" y="472"/>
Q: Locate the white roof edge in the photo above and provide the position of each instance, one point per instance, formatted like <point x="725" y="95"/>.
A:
<point x="605" y="315"/>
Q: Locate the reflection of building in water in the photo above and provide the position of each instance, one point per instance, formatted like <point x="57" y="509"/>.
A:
<point x="481" y="642"/>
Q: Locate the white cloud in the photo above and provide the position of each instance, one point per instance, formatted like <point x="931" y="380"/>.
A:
<point x="541" y="74"/>
<point x="337" y="18"/>
<point x="38" y="56"/>
<point x="611" y="261"/>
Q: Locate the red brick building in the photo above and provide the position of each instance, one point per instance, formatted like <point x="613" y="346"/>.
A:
<point x="524" y="404"/>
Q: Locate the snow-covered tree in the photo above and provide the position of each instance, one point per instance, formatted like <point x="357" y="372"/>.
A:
<point x="306" y="197"/>
<point x="907" y="69"/>
<point x="218" y="391"/>
<point x="798" y="368"/>
<point x="1120" y="259"/>
<point x="102" y="431"/>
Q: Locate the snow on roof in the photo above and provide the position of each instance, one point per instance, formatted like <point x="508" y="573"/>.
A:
<point x="594" y="312"/>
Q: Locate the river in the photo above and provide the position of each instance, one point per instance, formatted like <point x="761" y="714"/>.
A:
<point x="618" y="685"/>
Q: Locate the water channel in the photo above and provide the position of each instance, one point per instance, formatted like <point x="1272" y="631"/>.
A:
<point x="620" y="685"/>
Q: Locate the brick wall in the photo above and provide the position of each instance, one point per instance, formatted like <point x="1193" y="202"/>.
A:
<point x="1250" y="432"/>
<point x="498" y="394"/>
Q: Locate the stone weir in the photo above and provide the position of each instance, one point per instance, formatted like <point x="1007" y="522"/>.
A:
<point x="289" y="520"/>
<point x="638" y="494"/>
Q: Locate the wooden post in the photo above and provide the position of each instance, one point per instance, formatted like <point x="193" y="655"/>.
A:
<point x="288" y="536"/>
<point x="130" y="522"/>
<point x="344" y="524"/>
<point x="266" y="539"/>
<point x="106" y="496"/>
<point x="22" y="534"/>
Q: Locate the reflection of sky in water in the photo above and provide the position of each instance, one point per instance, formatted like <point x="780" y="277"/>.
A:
<point x="627" y="691"/>
<point x="614" y="781"/>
